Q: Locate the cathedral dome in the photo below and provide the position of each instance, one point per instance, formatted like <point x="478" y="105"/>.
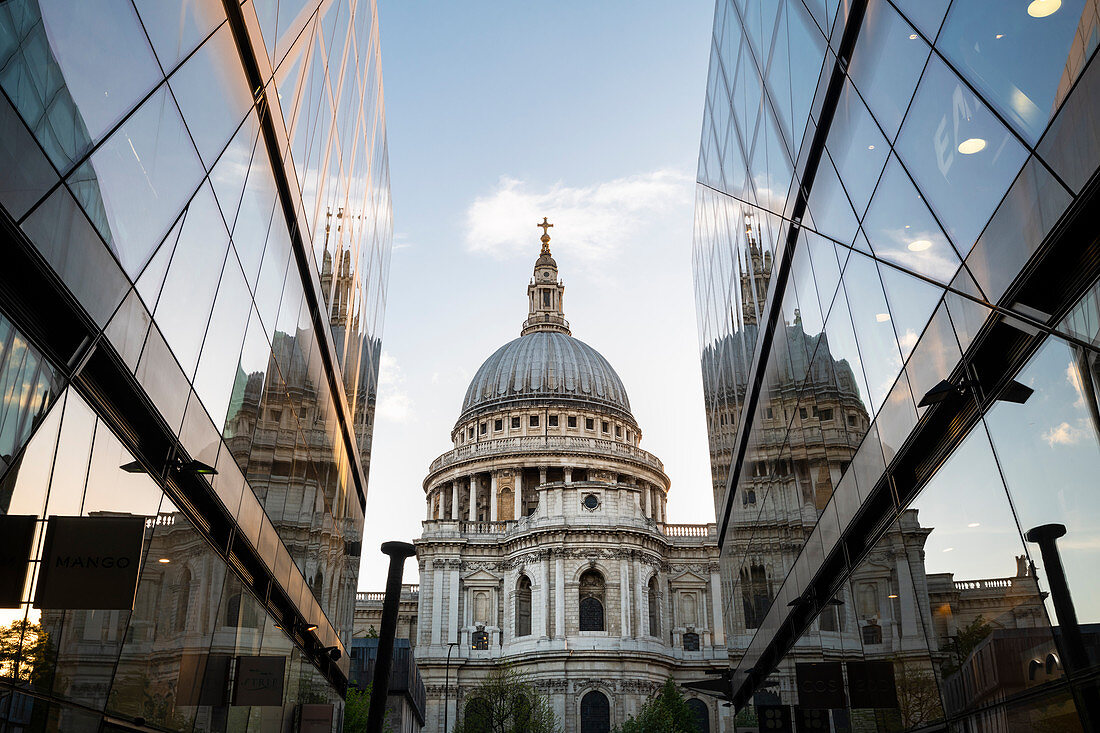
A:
<point x="545" y="366"/>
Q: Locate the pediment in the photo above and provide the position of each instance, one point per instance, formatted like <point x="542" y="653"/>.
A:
<point x="688" y="578"/>
<point x="481" y="576"/>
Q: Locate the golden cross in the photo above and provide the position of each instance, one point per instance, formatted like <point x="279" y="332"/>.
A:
<point x="545" y="225"/>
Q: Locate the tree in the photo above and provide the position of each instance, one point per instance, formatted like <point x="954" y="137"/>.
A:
<point x="356" y="707"/>
<point x="507" y="703"/>
<point x="967" y="640"/>
<point x="668" y="712"/>
<point x="26" y="653"/>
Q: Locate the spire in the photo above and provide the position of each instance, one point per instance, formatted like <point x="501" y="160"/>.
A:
<point x="545" y="292"/>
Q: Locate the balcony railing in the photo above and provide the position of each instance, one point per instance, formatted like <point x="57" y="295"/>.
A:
<point x="986" y="584"/>
<point x="510" y="526"/>
<point x="689" y="530"/>
<point x="408" y="592"/>
<point x="543" y="443"/>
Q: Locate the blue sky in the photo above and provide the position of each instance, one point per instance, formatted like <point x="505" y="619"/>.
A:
<point x="499" y="114"/>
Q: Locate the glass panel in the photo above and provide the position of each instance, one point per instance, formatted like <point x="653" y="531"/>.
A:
<point x="857" y="148"/>
<point x="935" y="356"/>
<point x="912" y="301"/>
<point x="27" y="173"/>
<point x="828" y="205"/>
<point x="61" y="232"/>
<point x="145" y="172"/>
<point x="183" y="309"/>
<point x="901" y="229"/>
<point x="960" y="155"/>
<point x="1032" y="207"/>
<point x="886" y="64"/>
<point x="871" y="317"/>
<point x="1049" y="451"/>
<point x="1071" y="145"/>
<point x="104" y="85"/>
<point x="212" y="93"/>
<point x="984" y="40"/>
<point x="24" y="483"/>
<point x="221" y="349"/>
<point x="176" y="28"/>
<point x="925" y="14"/>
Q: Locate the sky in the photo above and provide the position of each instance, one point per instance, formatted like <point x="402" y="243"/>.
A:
<point x="499" y="114"/>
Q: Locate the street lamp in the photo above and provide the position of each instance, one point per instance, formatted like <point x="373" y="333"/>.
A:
<point x="447" y="686"/>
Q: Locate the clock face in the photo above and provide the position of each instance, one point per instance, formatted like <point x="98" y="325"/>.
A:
<point x="546" y="273"/>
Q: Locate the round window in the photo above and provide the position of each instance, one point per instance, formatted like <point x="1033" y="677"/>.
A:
<point x="591" y="501"/>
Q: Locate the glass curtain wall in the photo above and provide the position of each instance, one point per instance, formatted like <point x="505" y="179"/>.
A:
<point x="878" y="184"/>
<point x="210" y="197"/>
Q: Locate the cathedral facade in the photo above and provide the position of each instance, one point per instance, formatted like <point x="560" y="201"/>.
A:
<point x="546" y="545"/>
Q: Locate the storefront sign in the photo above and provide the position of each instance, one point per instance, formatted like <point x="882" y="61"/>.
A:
<point x="315" y="718"/>
<point x="90" y="563"/>
<point x="259" y="681"/>
<point x="871" y="685"/>
<point x="16" y="535"/>
<point x="807" y="720"/>
<point x="820" y="685"/>
<point x="774" y="719"/>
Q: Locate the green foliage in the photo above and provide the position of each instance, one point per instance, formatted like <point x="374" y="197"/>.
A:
<point x="668" y="712"/>
<point x="506" y="703"/>
<point x="968" y="639"/>
<point x="372" y="633"/>
<point x="356" y="707"/>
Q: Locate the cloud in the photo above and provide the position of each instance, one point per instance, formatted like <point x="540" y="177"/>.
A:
<point x="596" y="222"/>
<point x="394" y="403"/>
<point x="1064" y="434"/>
<point x="401" y="241"/>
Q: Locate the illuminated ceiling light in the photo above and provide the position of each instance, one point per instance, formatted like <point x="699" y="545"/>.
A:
<point x="974" y="524"/>
<point x="870" y="147"/>
<point x="164" y="560"/>
<point x="999" y="35"/>
<point x="949" y="549"/>
<point x="882" y="317"/>
<point x="972" y="145"/>
<point x="311" y="627"/>
<point x="906" y="226"/>
<point x="912" y="36"/>
<point x="919" y="245"/>
<point x="892" y="595"/>
<point x="1043" y="8"/>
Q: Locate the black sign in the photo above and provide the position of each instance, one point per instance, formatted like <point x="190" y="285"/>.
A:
<point x="259" y="681"/>
<point x="16" y="535"/>
<point x="820" y="685"/>
<point x="90" y="563"/>
<point x="871" y="685"/>
<point x="811" y="721"/>
<point x="774" y="719"/>
<point x="315" y="718"/>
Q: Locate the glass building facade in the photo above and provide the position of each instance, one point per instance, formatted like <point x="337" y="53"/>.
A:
<point x="196" y="231"/>
<point x="896" y="259"/>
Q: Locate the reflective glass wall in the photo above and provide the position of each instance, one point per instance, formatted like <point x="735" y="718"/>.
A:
<point x="197" y="228"/>
<point x="898" y="333"/>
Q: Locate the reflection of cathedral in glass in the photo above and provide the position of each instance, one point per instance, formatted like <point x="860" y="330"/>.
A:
<point x="196" y="229"/>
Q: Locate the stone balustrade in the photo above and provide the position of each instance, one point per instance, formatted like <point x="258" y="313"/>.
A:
<point x="534" y="444"/>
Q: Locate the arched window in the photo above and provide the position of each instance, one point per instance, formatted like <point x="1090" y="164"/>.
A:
<point x="872" y="634"/>
<point x="595" y="713"/>
<point x="698" y="708"/>
<point x="183" y="599"/>
<point x="479" y="714"/>
<point x="755" y="594"/>
<point x="481" y="606"/>
<point x="591" y="601"/>
<point x="233" y="611"/>
<point x="654" y="608"/>
<point x="687" y="609"/>
<point x="480" y="640"/>
<point x="523" y="606"/>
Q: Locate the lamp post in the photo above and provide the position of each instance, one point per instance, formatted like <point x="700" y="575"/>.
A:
<point x="380" y="686"/>
<point x="447" y="687"/>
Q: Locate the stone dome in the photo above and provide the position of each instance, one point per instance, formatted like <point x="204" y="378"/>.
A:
<point x="545" y="366"/>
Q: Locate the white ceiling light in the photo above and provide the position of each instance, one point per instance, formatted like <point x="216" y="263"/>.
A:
<point x="1043" y="8"/>
<point x="972" y="145"/>
<point x="919" y="245"/>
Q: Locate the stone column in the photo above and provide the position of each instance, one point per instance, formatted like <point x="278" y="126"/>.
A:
<point x="660" y="507"/>
<point x="544" y="596"/>
<point x="542" y="475"/>
<point x="454" y="500"/>
<point x="519" y="494"/>
<point x="431" y="503"/>
<point x="493" y="496"/>
<point x="473" y="498"/>
<point x="452" y="615"/>
<point x="559" y="599"/>
<point x="716" y="604"/>
<point x="568" y="475"/>
<point x="437" y="602"/>
<point x="624" y="595"/>
<point x="646" y="492"/>
<point x="909" y="624"/>
<point x="639" y="599"/>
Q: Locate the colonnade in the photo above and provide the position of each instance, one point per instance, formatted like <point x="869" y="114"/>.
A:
<point x="465" y="498"/>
